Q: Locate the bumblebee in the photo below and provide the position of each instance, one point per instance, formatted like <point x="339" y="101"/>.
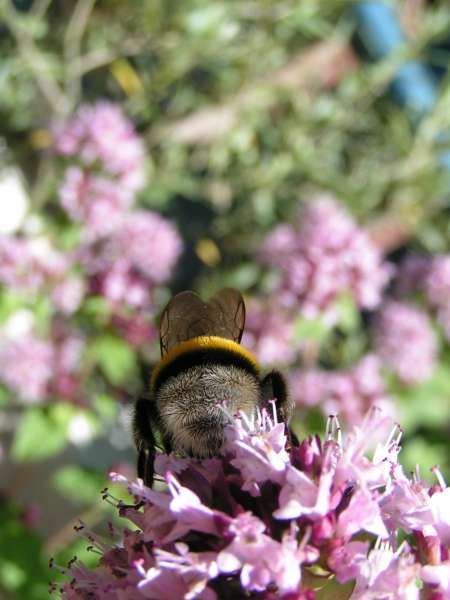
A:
<point x="202" y="367"/>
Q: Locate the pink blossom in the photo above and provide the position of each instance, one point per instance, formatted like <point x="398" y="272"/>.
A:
<point x="260" y="559"/>
<point x="26" y="366"/>
<point x="68" y="294"/>
<point x="437" y="289"/>
<point x="363" y="513"/>
<point x="258" y="443"/>
<point x="136" y="328"/>
<point x="206" y="535"/>
<point x="29" y="264"/>
<point x="150" y="243"/>
<point x="126" y="267"/>
<point x="387" y="574"/>
<point x="182" y="575"/>
<point x="349" y="393"/>
<point x="301" y="495"/>
<point x="405" y="341"/>
<point x="324" y="255"/>
<point x="268" y="334"/>
<point x="438" y="575"/>
<point x="346" y="560"/>
<point x="100" y="133"/>
<point x="98" y="203"/>
<point x="121" y="284"/>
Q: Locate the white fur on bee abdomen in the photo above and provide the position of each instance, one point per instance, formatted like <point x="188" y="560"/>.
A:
<point x="189" y="405"/>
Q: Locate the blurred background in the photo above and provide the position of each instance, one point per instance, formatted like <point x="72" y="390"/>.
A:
<point x="297" y="150"/>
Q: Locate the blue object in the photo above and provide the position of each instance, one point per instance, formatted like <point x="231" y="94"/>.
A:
<point x="414" y="86"/>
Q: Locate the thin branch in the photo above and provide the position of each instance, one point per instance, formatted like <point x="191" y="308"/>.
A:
<point x="72" y="46"/>
<point x="104" y="56"/>
<point x="321" y="65"/>
<point x="33" y="58"/>
<point x="39" y="8"/>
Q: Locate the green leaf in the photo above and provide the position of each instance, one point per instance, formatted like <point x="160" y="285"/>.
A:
<point x="425" y="404"/>
<point x="349" y="316"/>
<point x="422" y="452"/>
<point x="310" y="329"/>
<point x="10" y="301"/>
<point x="115" y="358"/>
<point x="42" y="432"/>
<point x="96" y="310"/>
<point x="23" y="571"/>
<point x="105" y="406"/>
<point x="81" y="485"/>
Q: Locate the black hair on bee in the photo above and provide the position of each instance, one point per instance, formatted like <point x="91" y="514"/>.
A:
<point x="202" y="366"/>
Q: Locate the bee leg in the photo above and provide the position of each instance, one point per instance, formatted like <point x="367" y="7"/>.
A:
<point x="144" y="439"/>
<point x="274" y="386"/>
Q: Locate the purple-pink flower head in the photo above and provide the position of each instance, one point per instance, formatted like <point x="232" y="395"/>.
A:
<point x="150" y="243"/>
<point x="324" y="254"/>
<point x="35" y="368"/>
<point x="208" y="535"/>
<point x="94" y="201"/>
<point x="268" y="334"/>
<point x="26" y="366"/>
<point x="141" y="254"/>
<point x="405" y="341"/>
<point x="349" y="393"/>
<point x="437" y="289"/>
<point x="100" y="134"/>
<point x="30" y="264"/>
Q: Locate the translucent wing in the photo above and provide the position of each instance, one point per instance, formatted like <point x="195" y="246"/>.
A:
<point x="187" y="316"/>
<point x="227" y="313"/>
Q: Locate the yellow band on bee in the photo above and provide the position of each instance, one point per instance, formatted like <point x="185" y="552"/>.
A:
<point x="203" y="342"/>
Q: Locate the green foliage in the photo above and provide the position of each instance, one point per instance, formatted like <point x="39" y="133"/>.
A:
<point x="79" y="485"/>
<point x="23" y="571"/>
<point x="115" y="358"/>
<point x="42" y="432"/>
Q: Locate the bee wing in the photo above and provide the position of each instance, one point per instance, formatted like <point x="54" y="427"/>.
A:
<point x="186" y="316"/>
<point x="227" y="314"/>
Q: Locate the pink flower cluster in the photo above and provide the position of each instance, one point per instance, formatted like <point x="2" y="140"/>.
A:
<point x="124" y="252"/>
<point x="29" y="264"/>
<point x="349" y="393"/>
<point x="437" y="289"/>
<point x="127" y="266"/>
<point x="405" y="341"/>
<point x="109" y="168"/>
<point x="33" y="265"/>
<point x="100" y="135"/>
<point x="270" y="522"/>
<point x="268" y="334"/>
<point x="34" y="368"/>
<point x="430" y="276"/>
<point x="324" y="254"/>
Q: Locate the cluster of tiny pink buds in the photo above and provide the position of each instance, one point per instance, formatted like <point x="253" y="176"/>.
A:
<point x="124" y="253"/>
<point x="349" y="393"/>
<point x="28" y="264"/>
<point x="36" y="368"/>
<point x="270" y="521"/>
<point x="100" y="134"/>
<point x="405" y="341"/>
<point x="437" y="289"/>
<point x="269" y="334"/>
<point x="108" y="161"/>
<point x="324" y="254"/>
<point x="429" y="275"/>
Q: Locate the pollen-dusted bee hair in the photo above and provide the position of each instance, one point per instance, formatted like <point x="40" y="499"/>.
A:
<point x="202" y="367"/>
